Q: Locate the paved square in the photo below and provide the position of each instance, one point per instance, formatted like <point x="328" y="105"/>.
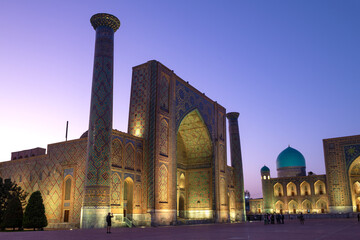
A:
<point x="312" y="229"/>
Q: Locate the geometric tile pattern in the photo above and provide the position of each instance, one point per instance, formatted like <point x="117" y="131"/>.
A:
<point x="351" y="153"/>
<point x="139" y="119"/>
<point x="139" y="102"/>
<point x="98" y="174"/>
<point x="187" y="100"/>
<point x="195" y="136"/>
<point x="116" y="156"/>
<point x="164" y="92"/>
<point x="199" y="189"/>
<point x="129" y="157"/>
<point x="163" y="184"/>
<point x="164" y="136"/>
<point x="115" y="189"/>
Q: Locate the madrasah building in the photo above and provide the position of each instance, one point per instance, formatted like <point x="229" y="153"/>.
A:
<point x="169" y="168"/>
<point x="294" y="191"/>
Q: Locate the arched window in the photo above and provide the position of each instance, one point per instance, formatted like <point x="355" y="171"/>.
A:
<point x="319" y="187"/>
<point x="278" y="190"/>
<point x="305" y="189"/>
<point x="291" y="189"/>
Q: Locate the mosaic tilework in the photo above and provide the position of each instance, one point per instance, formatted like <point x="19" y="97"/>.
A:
<point x="137" y="195"/>
<point x="100" y="124"/>
<point x="163" y="184"/>
<point x="164" y="137"/>
<point x="164" y="92"/>
<point x="129" y="156"/>
<point x="355" y="170"/>
<point x="187" y="100"/>
<point x="139" y="120"/>
<point x="115" y="189"/>
<point x="139" y="102"/>
<point x="199" y="189"/>
<point x="139" y="161"/>
<point x="222" y="158"/>
<point x="117" y="152"/>
<point x="351" y="153"/>
<point x="195" y="139"/>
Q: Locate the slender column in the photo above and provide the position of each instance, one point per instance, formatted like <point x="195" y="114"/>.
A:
<point x="96" y="202"/>
<point x="236" y="163"/>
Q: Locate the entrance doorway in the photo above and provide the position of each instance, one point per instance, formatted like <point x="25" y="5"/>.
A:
<point x="128" y="197"/>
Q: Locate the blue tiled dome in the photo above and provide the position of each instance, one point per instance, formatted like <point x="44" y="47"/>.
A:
<point x="290" y="157"/>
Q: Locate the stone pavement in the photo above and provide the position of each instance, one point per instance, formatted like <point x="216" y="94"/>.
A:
<point x="312" y="229"/>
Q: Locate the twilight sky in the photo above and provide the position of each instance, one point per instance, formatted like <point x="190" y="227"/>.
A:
<point x="291" y="68"/>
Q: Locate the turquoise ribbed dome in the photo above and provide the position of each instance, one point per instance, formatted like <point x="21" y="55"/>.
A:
<point x="265" y="169"/>
<point x="290" y="157"/>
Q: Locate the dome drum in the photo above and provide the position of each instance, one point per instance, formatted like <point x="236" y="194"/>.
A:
<point x="291" y="171"/>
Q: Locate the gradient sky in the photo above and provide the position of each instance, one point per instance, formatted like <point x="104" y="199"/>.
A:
<point x="291" y="68"/>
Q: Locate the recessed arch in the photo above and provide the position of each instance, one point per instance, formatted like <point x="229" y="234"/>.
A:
<point x="128" y="196"/>
<point x="321" y="205"/>
<point x="306" y="206"/>
<point x="319" y="187"/>
<point x="293" y="206"/>
<point x="354" y="180"/>
<point x="278" y="190"/>
<point x="194" y="157"/>
<point x="279" y="207"/>
<point x="305" y="189"/>
<point x="291" y="189"/>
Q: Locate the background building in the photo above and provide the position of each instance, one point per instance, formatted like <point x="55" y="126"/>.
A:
<point x="292" y="192"/>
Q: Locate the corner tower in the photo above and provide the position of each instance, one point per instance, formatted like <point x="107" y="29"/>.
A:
<point x="96" y="203"/>
<point x="266" y="189"/>
<point x="236" y="163"/>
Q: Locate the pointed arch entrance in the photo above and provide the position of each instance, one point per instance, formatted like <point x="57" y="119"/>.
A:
<point x="194" y="156"/>
<point x="128" y="197"/>
<point x="354" y="177"/>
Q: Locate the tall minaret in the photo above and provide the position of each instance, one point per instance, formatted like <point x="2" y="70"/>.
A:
<point x="96" y="202"/>
<point x="236" y="163"/>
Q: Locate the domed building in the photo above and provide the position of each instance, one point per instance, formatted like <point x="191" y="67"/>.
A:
<point x="293" y="191"/>
<point x="290" y="162"/>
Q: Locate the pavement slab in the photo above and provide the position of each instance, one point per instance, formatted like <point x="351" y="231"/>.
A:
<point x="314" y="229"/>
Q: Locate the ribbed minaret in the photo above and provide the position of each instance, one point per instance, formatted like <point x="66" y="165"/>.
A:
<point x="236" y="163"/>
<point x="96" y="202"/>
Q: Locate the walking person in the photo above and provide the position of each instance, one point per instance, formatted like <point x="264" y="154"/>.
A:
<point x="108" y="221"/>
<point x="282" y="218"/>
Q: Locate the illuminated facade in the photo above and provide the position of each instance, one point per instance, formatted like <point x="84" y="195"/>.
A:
<point x="293" y="191"/>
<point x="170" y="167"/>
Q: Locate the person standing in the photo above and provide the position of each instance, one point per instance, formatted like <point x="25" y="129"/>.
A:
<point x="282" y="218"/>
<point x="108" y="221"/>
<point x="301" y="217"/>
<point x="358" y="217"/>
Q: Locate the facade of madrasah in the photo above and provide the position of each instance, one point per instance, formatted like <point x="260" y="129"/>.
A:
<point x="169" y="168"/>
<point x="294" y="192"/>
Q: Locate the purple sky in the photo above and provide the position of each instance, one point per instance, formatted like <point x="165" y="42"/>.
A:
<point x="291" y="68"/>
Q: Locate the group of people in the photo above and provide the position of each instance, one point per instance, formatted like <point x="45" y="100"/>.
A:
<point x="270" y="218"/>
